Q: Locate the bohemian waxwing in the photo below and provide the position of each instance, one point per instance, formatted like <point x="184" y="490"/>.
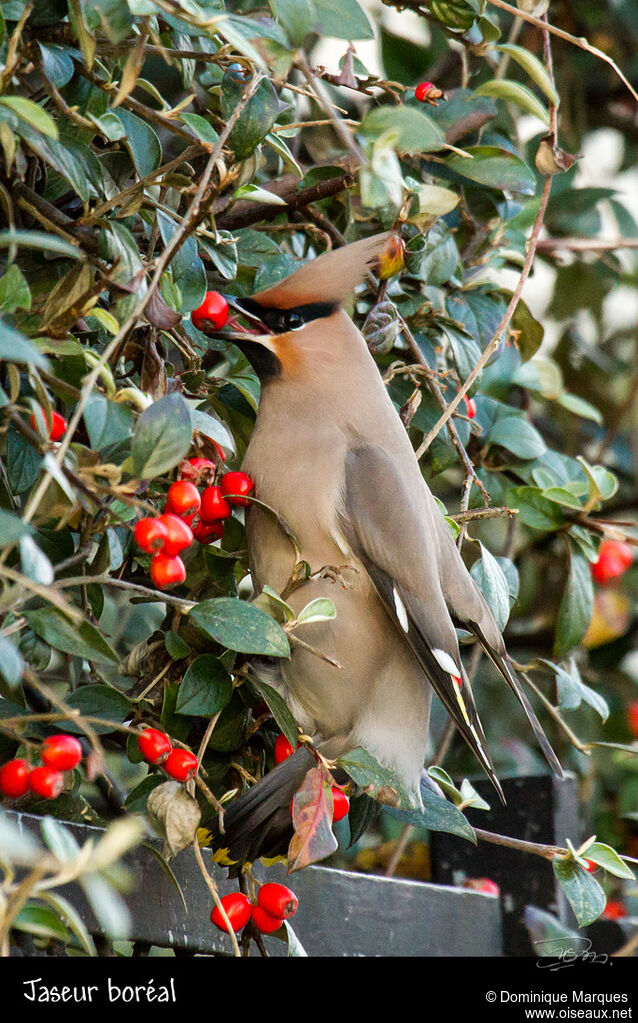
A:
<point x="331" y="456"/>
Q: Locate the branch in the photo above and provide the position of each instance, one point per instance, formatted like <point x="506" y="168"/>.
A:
<point x="502" y="327"/>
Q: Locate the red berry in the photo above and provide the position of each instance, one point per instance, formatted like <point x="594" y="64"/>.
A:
<point x="201" y="463"/>
<point x="632" y="718"/>
<point x="485" y="884"/>
<point x="277" y="900"/>
<point x="208" y="532"/>
<point x="591" y="867"/>
<point x="471" y="406"/>
<point x="180" y="764"/>
<point x="63" y="752"/>
<point x="14" y="778"/>
<point x="214" y="505"/>
<point x="212" y="313"/>
<point x="614" y="558"/>
<point x="46" y="782"/>
<point x="154" y="745"/>
<point x="238" y="910"/>
<point x="340" y="805"/>
<point x="283" y="748"/>
<point x="150" y="535"/>
<point x="264" y="922"/>
<point x="167" y="571"/>
<point x="422" y="90"/>
<point x="179" y="534"/>
<point x="57" y="425"/>
<point x="613" y="911"/>
<point x="238" y="484"/>
<point x="183" y="499"/>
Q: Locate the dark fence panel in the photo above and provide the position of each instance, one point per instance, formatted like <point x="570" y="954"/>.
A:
<point x="539" y="809"/>
<point x="340" y="913"/>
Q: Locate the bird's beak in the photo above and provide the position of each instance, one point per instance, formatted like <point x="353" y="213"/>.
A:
<point x="245" y="309"/>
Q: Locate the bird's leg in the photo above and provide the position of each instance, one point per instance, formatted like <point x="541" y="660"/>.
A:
<point x="334" y="573"/>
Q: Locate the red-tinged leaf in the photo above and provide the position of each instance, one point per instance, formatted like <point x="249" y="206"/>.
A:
<point x="312" y="820"/>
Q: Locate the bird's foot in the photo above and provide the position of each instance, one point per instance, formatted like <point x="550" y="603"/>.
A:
<point x="335" y="573"/>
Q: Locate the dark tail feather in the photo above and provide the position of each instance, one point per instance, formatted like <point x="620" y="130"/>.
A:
<point x="259" y="823"/>
<point x="503" y="665"/>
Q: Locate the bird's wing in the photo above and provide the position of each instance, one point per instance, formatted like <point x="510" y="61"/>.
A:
<point x="392" y="534"/>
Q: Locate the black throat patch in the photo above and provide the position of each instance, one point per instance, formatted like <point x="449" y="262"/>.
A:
<point x="278" y="321"/>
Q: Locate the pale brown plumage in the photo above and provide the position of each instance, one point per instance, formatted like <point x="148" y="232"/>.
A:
<point x="331" y="456"/>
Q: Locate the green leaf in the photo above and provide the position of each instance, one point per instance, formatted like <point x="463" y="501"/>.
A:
<point x="257" y="117"/>
<point x="494" y="168"/>
<point x="200" y="127"/>
<point x="580" y="407"/>
<point x="549" y="936"/>
<point x="456" y="15"/>
<point x="319" y="610"/>
<point x="14" y="290"/>
<point x="345" y="20"/>
<point x="377" y="781"/>
<point x="582" y="891"/>
<point x="535" y="69"/>
<point x="533" y="509"/>
<point x="100" y="702"/>
<point x="608" y="858"/>
<point x="144" y="144"/>
<point x="12" y="528"/>
<point x="572" y="691"/>
<point x="15" y="347"/>
<point x="438" y="814"/>
<point x="162" y="437"/>
<point x="33" y="114"/>
<point x="176" y="646"/>
<point x="530" y="331"/>
<point x="514" y="92"/>
<point x="205" y="688"/>
<point x="81" y="640"/>
<point x="39" y="240"/>
<point x="416" y="132"/>
<point x="238" y="625"/>
<point x="576" y="606"/>
<point x="518" y="436"/>
<point x="491" y="580"/>
<point x="11" y="662"/>
<point x="279" y="709"/>
<point x="58" y="64"/>
<point x="296" y="16"/>
<point x="109" y="424"/>
<point x="41" y="921"/>
<point x="35" y="564"/>
<point x="70" y="916"/>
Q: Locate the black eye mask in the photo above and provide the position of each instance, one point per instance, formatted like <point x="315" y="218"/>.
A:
<point x="280" y="321"/>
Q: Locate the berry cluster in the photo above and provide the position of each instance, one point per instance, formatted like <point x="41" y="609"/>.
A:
<point x="340" y="802"/>
<point x="157" y="749"/>
<point x="189" y="515"/>
<point x="59" y="753"/>
<point x="275" y="903"/>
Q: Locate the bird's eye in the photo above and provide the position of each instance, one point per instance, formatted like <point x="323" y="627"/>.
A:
<point x="293" y="321"/>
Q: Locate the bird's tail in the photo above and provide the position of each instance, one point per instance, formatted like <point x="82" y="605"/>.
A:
<point x="259" y="822"/>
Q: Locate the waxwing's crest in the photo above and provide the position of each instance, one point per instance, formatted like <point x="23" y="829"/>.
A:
<point x="331" y="277"/>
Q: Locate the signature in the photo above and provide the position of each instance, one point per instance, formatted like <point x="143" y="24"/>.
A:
<point x="556" y="956"/>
